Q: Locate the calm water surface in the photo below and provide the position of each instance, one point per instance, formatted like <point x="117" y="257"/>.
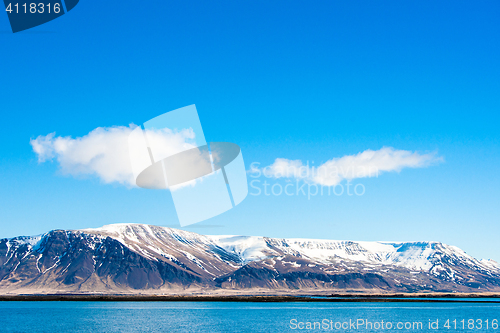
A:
<point x="246" y="317"/>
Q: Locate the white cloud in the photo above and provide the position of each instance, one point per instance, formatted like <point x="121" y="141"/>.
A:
<point x="369" y="163"/>
<point x="104" y="151"/>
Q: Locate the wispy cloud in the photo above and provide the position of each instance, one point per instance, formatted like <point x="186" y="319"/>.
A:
<point x="103" y="152"/>
<point x="369" y="163"/>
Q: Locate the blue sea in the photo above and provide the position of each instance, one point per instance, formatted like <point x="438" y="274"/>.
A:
<point x="67" y="316"/>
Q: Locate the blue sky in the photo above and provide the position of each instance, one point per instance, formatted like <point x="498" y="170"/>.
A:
<point x="282" y="79"/>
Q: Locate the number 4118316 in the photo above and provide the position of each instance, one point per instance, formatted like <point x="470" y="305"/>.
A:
<point x="33" y="8"/>
<point x="471" y="324"/>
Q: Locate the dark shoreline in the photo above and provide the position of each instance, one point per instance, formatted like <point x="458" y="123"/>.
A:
<point x="341" y="298"/>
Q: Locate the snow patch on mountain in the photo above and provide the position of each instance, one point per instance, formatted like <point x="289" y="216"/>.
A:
<point x="248" y="248"/>
<point x="492" y="264"/>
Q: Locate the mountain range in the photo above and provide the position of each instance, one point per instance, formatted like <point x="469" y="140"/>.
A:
<point x="139" y="258"/>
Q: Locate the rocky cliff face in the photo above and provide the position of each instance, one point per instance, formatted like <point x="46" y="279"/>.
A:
<point x="135" y="258"/>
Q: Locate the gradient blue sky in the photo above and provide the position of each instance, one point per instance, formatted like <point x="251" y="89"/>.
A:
<point x="291" y="79"/>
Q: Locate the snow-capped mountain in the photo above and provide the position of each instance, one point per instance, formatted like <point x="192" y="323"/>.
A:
<point x="131" y="257"/>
